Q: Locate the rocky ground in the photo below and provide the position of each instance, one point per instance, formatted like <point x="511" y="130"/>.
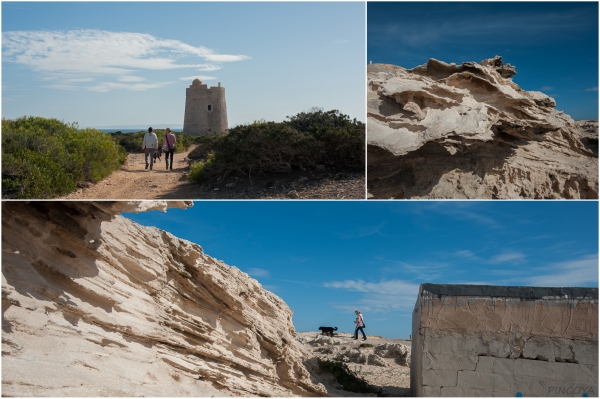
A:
<point x="382" y="362"/>
<point x="133" y="181"/>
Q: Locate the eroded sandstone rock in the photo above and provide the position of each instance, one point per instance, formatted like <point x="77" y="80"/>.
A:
<point x="94" y="304"/>
<point x="468" y="131"/>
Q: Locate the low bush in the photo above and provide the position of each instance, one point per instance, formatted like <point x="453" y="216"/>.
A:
<point x="132" y="142"/>
<point x="304" y="140"/>
<point x="346" y="377"/>
<point x="45" y="158"/>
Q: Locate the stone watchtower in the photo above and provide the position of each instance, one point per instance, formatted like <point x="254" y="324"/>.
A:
<point x="205" y="109"/>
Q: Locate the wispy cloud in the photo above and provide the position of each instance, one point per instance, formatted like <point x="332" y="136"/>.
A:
<point x="201" y="77"/>
<point x="573" y="273"/>
<point x="508" y="257"/>
<point x="381" y="297"/>
<point x="591" y="89"/>
<point x="363" y="231"/>
<point x="62" y="56"/>
<point x="257" y="272"/>
<point x="547" y="88"/>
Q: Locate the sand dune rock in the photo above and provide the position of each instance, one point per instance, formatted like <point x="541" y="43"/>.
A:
<point x="468" y="131"/>
<point x="94" y="304"/>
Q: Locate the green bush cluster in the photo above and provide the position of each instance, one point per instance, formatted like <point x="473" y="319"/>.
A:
<point x="45" y="158"/>
<point x="132" y="142"/>
<point x="303" y="140"/>
<point x="346" y="377"/>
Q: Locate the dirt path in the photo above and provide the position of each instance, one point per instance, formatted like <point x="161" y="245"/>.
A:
<point x="134" y="181"/>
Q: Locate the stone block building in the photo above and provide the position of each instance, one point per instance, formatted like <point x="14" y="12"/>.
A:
<point x="471" y="340"/>
<point x="205" y="109"/>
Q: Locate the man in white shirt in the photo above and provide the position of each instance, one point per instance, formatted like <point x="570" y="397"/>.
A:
<point x="150" y="144"/>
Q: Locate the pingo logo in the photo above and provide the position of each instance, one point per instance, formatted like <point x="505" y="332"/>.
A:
<point x="572" y="390"/>
<point x="563" y="391"/>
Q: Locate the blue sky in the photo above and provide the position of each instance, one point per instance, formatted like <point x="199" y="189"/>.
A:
<point x="129" y="63"/>
<point x="328" y="258"/>
<point x="554" y="45"/>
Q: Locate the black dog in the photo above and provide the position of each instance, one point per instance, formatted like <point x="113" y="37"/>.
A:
<point x="327" y="330"/>
<point x="158" y="154"/>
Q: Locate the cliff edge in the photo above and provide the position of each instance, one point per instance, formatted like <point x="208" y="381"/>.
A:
<point x="94" y="304"/>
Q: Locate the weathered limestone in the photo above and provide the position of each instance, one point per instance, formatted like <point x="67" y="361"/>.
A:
<point x="468" y="131"/>
<point x="94" y="304"/>
<point x="205" y="109"/>
<point x="498" y="341"/>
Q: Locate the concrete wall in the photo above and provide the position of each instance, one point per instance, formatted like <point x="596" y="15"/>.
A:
<point x="504" y="341"/>
<point x="199" y="119"/>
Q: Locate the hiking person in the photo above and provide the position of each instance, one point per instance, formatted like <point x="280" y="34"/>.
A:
<point x="149" y="145"/>
<point x="169" y="146"/>
<point x="360" y="324"/>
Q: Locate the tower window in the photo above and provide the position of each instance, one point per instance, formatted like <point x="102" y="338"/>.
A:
<point x="209" y="107"/>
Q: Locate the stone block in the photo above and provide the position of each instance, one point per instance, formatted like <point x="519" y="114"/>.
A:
<point x="449" y="362"/>
<point x="586" y="352"/>
<point x="485" y="364"/>
<point x="505" y="383"/>
<point x="456" y="391"/>
<point x="532" y="368"/>
<point x="573" y="372"/>
<point x="431" y="391"/>
<point x="444" y="378"/>
<point x="473" y="379"/>
<point x="504" y="366"/>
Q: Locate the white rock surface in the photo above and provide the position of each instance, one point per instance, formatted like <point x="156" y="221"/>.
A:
<point x="468" y="131"/>
<point x="94" y="304"/>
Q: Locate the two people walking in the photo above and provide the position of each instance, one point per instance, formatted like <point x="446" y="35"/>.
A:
<point x="150" y="144"/>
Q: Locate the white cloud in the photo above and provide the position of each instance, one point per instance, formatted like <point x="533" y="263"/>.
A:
<point x="384" y="296"/>
<point x="131" y="79"/>
<point x="201" y="77"/>
<point x="591" y="89"/>
<point x="104" y="87"/>
<point x="573" y="273"/>
<point x="363" y="231"/>
<point x="547" y="88"/>
<point x="508" y="257"/>
<point x="59" y="55"/>
<point x="257" y="272"/>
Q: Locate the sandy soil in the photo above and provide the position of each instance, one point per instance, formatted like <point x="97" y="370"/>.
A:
<point x="134" y="181"/>
<point x="392" y="378"/>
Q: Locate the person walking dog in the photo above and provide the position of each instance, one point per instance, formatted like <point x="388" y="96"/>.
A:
<point x="360" y="324"/>
<point x="150" y="144"/>
<point x="169" y="146"/>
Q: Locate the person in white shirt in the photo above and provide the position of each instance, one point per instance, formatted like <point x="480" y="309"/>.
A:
<point x="149" y="145"/>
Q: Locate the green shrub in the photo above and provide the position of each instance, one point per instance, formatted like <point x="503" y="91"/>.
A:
<point x="307" y="139"/>
<point x="45" y="158"/>
<point x="346" y="378"/>
<point x="132" y="142"/>
<point x="198" y="171"/>
<point x="365" y="346"/>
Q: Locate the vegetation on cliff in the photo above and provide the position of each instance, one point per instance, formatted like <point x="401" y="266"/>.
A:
<point x="303" y="140"/>
<point x="45" y="158"/>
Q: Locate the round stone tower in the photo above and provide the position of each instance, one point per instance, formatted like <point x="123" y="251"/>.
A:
<point x="205" y="109"/>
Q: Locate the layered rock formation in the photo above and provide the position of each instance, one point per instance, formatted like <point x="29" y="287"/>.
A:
<point x="468" y="131"/>
<point x="94" y="304"/>
<point x="473" y="340"/>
